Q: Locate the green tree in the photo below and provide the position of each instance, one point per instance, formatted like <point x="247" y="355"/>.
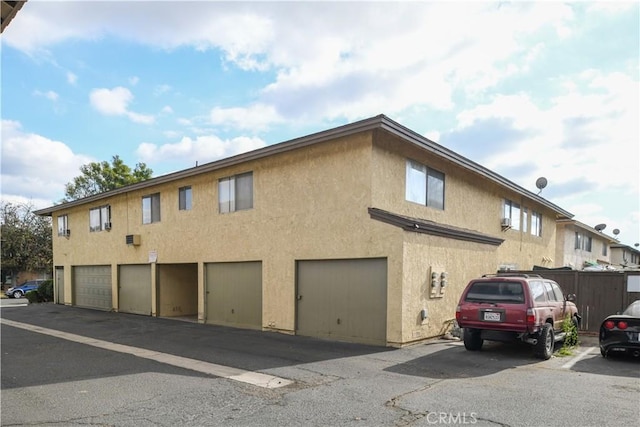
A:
<point x="98" y="177"/>
<point x="26" y="240"/>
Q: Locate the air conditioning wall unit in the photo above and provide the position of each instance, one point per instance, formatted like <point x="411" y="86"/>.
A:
<point x="133" y="239"/>
<point x="506" y="223"/>
<point x="66" y="233"/>
<point x="107" y="226"/>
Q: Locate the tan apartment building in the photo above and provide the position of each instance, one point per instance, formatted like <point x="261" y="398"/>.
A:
<point x="367" y="233"/>
<point x="624" y="256"/>
<point x="580" y="246"/>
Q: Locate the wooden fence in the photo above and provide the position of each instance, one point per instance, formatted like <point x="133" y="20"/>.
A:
<point x="598" y="293"/>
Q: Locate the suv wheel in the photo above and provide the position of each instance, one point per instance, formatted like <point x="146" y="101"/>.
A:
<point x="544" y="346"/>
<point x="472" y="339"/>
<point x="17" y="294"/>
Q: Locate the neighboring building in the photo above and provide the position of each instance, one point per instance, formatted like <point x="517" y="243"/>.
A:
<point x="579" y="246"/>
<point x="9" y="9"/>
<point x="367" y="232"/>
<point x="625" y="256"/>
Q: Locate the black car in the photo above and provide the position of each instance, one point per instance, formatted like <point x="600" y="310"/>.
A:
<point x="621" y="332"/>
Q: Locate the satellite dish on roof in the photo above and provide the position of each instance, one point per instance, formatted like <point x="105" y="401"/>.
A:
<point x="636" y="245"/>
<point x="600" y="227"/>
<point x="616" y="231"/>
<point x="541" y="183"/>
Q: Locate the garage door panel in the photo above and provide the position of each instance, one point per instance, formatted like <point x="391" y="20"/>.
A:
<point x="92" y="287"/>
<point x="234" y="294"/>
<point x="343" y="299"/>
<point x="134" y="289"/>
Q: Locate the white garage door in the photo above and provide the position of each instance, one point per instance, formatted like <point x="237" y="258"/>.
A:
<point x="92" y="287"/>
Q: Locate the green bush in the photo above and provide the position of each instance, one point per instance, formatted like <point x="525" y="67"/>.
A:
<point x="45" y="291"/>
<point x="32" y="296"/>
<point x="570" y="328"/>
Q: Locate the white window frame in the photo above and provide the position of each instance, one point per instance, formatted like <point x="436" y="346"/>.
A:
<point x="424" y="185"/>
<point x="235" y="193"/>
<point x="536" y="223"/>
<point x="151" y="208"/>
<point x="100" y="218"/>
<point x="512" y="211"/>
<point x="185" y="198"/>
<point x="63" y="225"/>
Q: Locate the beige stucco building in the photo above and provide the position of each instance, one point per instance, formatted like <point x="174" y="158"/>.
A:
<point x="580" y="246"/>
<point x="367" y="232"/>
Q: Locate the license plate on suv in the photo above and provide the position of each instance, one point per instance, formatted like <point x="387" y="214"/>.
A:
<point x="491" y="316"/>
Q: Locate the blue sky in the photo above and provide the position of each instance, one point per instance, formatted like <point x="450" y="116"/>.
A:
<point x="526" y="89"/>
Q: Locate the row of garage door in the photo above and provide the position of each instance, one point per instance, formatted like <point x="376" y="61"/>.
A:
<point x="337" y="299"/>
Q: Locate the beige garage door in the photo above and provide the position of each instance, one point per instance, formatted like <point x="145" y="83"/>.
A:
<point x="343" y="299"/>
<point x="134" y="289"/>
<point x="234" y="294"/>
<point x="92" y="287"/>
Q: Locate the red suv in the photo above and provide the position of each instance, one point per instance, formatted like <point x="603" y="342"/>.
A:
<point x="505" y="307"/>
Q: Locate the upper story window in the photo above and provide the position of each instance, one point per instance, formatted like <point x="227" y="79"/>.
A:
<point x="424" y="185"/>
<point x="525" y="220"/>
<point x="536" y="223"/>
<point x="235" y="193"/>
<point x="184" y="198"/>
<point x="100" y="218"/>
<point x="583" y="242"/>
<point x="604" y="248"/>
<point x="511" y="211"/>
<point x="151" y="208"/>
<point x="63" y="225"/>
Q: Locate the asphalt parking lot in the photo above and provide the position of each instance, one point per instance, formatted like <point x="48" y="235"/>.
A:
<point x="73" y="366"/>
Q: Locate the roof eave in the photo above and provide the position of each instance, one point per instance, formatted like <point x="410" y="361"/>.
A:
<point x="378" y="122"/>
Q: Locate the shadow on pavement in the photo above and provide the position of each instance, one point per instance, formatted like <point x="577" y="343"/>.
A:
<point x="239" y="348"/>
<point x="455" y="362"/>
<point x="620" y="365"/>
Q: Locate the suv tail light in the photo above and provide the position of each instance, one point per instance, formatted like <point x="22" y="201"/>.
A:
<point x="531" y="316"/>
<point x="458" y="314"/>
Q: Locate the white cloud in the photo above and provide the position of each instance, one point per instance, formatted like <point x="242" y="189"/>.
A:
<point x="50" y="95"/>
<point x="34" y="167"/>
<point x="167" y="109"/>
<point x="160" y="89"/>
<point x="256" y="117"/>
<point x="134" y="80"/>
<point x="202" y="149"/>
<point x="111" y="101"/>
<point x="72" y="79"/>
<point x="115" y="102"/>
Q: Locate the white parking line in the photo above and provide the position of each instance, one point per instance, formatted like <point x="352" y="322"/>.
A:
<point x="577" y="358"/>
<point x="253" y="378"/>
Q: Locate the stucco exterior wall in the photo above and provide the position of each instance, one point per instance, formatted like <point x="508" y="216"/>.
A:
<point x="308" y="204"/>
<point x="312" y="203"/>
<point x="472" y="203"/>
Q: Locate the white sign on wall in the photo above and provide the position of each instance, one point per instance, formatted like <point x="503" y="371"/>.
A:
<point x="633" y="283"/>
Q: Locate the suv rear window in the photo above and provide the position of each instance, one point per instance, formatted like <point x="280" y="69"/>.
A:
<point x="495" y="292"/>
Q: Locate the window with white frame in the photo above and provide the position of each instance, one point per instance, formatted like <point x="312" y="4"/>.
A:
<point x="604" y="248"/>
<point x="151" y="208"/>
<point x="184" y="198"/>
<point x="525" y="219"/>
<point x="536" y="223"/>
<point x="511" y="211"/>
<point x="424" y="185"/>
<point x="583" y="242"/>
<point x="63" y="225"/>
<point x="235" y="193"/>
<point x="100" y="218"/>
